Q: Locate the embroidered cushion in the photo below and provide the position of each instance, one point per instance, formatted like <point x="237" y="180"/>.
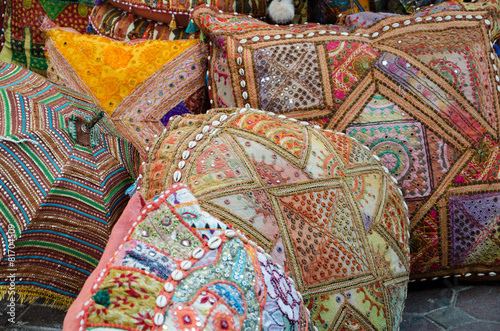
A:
<point x="24" y="41"/>
<point x="316" y="201"/>
<point x="422" y="91"/>
<point x="141" y="84"/>
<point x="164" y="10"/>
<point x="183" y="269"/>
<point x="117" y="24"/>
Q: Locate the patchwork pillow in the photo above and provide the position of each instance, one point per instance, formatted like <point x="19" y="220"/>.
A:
<point x="24" y="41"/>
<point x="141" y="84"/>
<point x="321" y="205"/>
<point x="179" y="268"/>
<point x="177" y="13"/>
<point x="114" y="23"/>
<point x="422" y="91"/>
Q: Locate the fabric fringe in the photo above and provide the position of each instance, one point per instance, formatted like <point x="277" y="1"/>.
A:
<point x="28" y="295"/>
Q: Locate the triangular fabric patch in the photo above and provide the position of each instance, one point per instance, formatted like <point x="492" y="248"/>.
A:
<point x="53" y="8"/>
<point x="322" y="256"/>
<point x="113" y="70"/>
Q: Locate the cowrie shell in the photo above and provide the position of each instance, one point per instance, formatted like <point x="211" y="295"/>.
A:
<point x="169" y="287"/>
<point x="230" y="233"/>
<point x="214" y="242"/>
<point x="186" y="265"/>
<point x="177" y="274"/>
<point x="161" y="301"/>
<point x="159" y="319"/>
<point x="177" y="175"/>
<point x="198" y="253"/>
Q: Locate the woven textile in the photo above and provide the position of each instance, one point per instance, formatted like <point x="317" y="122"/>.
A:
<point x="115" y="23"/>
<point x="412" y="5"/>
<point x="329" y="11"/>
<point x="421" y="90"/>
<point x="165" y="10"/>
<point x="140" y="83"/>
<point x="59" y="197"/>
<point x="316" y="201"/>
<point x="24" y="41"/>
<point x="169" y="273"/>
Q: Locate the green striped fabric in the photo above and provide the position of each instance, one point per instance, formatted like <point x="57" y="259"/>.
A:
<point x="59" y="195"/>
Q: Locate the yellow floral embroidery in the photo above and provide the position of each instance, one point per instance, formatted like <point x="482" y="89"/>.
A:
<point x="112" y="70"/>
<point x="131" y="298"/>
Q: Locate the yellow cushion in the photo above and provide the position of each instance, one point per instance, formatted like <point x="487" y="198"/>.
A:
<point x="112" y="70"/>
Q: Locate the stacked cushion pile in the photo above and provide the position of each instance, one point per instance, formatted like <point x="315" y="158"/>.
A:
<point x="359" y="126"/>
<point x="318" y="202"/>
<point x="422" y="91"/>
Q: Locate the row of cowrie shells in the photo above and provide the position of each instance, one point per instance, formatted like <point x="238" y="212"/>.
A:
<point x="239" y="59"/>
<point x="373" y="35"/>
<point x="3" y="29"/>
<point x="480" y="274"/>
<point x="185" y="265"/>
<point x="178" y="274"/>
<point x="198" y="253"/>
<point x="177" y="176"/>
<point x="192" y="144"/>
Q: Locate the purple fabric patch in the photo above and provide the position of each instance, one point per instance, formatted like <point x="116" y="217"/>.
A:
<point x="180" y="109"/>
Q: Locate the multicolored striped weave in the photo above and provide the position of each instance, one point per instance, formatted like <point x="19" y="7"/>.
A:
<point x="59" y="198"/>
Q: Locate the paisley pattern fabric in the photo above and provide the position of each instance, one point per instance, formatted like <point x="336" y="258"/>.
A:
<point x="140" y="84"/>
<point x="24" y="41"/>
<point x="421" y="91"/>
<point x="180" y="268"/>
<point x="114" y="23"/>
<point x="321" y="205"/>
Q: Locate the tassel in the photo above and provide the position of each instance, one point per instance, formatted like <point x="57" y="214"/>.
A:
<point x="98" y="2"/>
<point x="90" y="30"/>
<point x="191" y="27"/>
<point x="173" y="24"/>
<point x="130" y="18"/>
<point x="203" y="36"/>
<point x="132" y="188"/>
